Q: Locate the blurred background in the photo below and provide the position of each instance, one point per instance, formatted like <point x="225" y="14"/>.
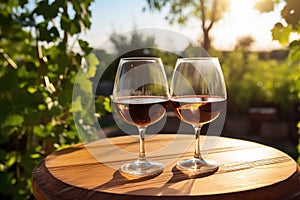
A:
<point x="44" y="43"/>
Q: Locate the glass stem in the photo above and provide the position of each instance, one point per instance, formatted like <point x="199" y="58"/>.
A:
<point x="142" y="154"/>
<point x="197" y="154"/>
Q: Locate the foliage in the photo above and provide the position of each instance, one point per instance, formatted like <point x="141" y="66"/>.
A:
<point x="208" y="12"/>
<point x="38" y="69"/>
<point x="282" y="32"/>
<point x="291" y="14"/>
<point x="256" y="81"/>
<point x="135" y="41"/>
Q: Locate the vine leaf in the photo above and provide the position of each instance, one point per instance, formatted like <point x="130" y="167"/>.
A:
<point x="13" y="120"/>
<point x="281" y="33"/>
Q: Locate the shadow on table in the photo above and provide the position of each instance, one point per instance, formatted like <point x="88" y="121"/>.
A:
<point x="177" y="176"/>
<point x="119" y="180"/>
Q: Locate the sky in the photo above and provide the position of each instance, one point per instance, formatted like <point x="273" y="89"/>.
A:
<point x="125" y="15"/>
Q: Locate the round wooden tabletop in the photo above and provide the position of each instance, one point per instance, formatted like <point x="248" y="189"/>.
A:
<point x="247" y="171"/>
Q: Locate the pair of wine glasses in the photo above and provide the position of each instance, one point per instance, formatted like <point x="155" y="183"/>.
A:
<point x="141" y="97"/>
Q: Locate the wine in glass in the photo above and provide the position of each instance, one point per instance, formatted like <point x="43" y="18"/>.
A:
<point x="198" y="96"/>
<point x="141" y="97"/>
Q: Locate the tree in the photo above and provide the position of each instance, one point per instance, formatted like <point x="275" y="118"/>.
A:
<point x="208" y="12"/>
<point x="244" y="44"/>
<point x="122" y="43"/>
<point x="38" y="69"/>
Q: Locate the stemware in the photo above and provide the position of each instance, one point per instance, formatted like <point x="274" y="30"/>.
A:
<point x="198" y="96"/>
<point x="141" y="97"/>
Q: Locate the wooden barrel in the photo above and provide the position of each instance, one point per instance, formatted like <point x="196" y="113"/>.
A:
<point x="247" y="171"/>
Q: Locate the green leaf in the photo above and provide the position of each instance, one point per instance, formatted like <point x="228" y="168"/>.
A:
<point x="41" y="107"/>
<point x="41" y="131"/>
<point x="35" y="155"/>
<point x="72" y="134"/>
<point x="84" y="83"/>
<point x="281" y="33"/>
<point x="44" y="34"/>
<point x="47" y="11"/>
<point x="102" y="105"/>
<point x="87" y="23"/>
<point x="76" y="105"/>
<point x="12" y="158"/>
<point x="13" y="120"/>
<point x="294" y="54"/>
<point x="85" y="46"/>
<point x="31" y="90"/>
<point x="107" y="104"/>
<point x="65" y="23"/>
<point x="92" y="62"/>
<point x="74" y="27"/>
<point x="42" y="6"/>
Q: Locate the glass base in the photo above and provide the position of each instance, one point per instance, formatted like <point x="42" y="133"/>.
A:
<point x="142" y="168"/>
<point x="197" y="166"/>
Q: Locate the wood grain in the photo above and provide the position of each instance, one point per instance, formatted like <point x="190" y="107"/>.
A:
<point x="247" y="170"/>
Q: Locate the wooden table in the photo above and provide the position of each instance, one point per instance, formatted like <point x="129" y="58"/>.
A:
<point x="247" y="171"/>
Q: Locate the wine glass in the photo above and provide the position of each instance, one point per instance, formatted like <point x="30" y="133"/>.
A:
<point x="141" y="97"/>
<point x="198" y="96"/>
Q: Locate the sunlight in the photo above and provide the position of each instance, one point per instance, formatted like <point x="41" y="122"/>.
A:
<point x="242" y="20"/>
<point x="239" y="7"/>
<point x="243" y="12"/>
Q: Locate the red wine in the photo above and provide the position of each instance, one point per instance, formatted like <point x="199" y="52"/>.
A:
<point x="198" y="110"/>
<point x="141" y="110"/>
